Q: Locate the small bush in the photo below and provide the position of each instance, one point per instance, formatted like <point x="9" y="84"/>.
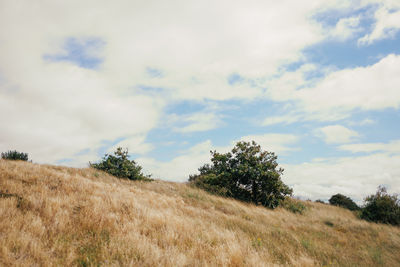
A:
<point x="208" y="183"/>
<point x="14" y="155"/>
<point x="120" y="166"/>
<point x="293" y="205"/>
<point x="320" y="201"/>
<point x="382" y="208"/>
<point x="344" y="202"/>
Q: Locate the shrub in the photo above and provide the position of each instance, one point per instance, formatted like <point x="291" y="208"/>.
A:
<point x="246" y="173"/>
<point x="343" y="201"/>
<point x="320" y="201"/>
<point x="382" y="207"/>
<point x="120" y="166"/>
<point x="293" y="205"/>
<point x="14" y="155"/>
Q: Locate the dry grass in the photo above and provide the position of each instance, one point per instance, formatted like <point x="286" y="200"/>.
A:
<point x="63" y="216"/>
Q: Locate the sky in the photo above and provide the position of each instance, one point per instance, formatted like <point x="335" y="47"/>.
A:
<point x="316" y="82"/>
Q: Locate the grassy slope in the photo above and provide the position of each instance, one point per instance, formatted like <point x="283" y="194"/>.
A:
<point x="63" y="216"/>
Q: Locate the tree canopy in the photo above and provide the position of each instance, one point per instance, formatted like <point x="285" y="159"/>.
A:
<point x="246" y="173"/>
<point x="120" y="166"/>
<point x="382" y="207"/>
<point x="343" y="201"/>
<point x="14" y="155"/>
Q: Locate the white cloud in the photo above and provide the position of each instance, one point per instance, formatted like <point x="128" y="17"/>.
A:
<point x="179" y="168"/>
<point x="366" y="122"/>
<point x="355" y="177"/>
<point x="386" y="26"/>
<point x="363" y="122"/>
<point x="82" y="160"/>
<point x="195" y="46"/>
<point x="281" y="119"/>
<point x="135" y="144"/>
<point x="391" y="147"/>
<point x="54" y="109"/>
<point x="63" y="109"/>
<point x="340" y="92"/>
<point x="278" y="143"/>
<point x="197" y="122"/>
<point x="346" y="28"/>
<point x="334" y="134"/>
<point x="368" y="88"/>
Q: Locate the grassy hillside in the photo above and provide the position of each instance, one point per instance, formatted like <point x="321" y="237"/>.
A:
<point x="63" y="216"/>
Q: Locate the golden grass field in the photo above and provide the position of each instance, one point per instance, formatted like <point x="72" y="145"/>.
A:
<point x="58" y="216"/>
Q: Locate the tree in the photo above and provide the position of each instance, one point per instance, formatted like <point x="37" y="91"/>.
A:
<point x="343" y="201"/>
<point x="382" y="207"/>
<point x="246" y="173"/>
<point x="14" y="155"/>
<point x="120" y="166"/>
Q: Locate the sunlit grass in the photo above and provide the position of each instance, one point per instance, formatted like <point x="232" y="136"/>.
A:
<point x="54" y="216"/>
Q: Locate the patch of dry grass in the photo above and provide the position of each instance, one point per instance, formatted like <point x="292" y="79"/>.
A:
<point x="63" y="216"/>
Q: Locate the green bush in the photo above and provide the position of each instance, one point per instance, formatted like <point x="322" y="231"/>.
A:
<point x="343" y="201"/>
<point x="14" y="155"/>
<point x="382" y="208"/>
<point x="120" y="166"/>
<point x="246" y="173"/>
<point x="293" y="205"/>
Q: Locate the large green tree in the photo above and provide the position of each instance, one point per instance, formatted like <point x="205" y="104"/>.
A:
<point x="246" y="173"/>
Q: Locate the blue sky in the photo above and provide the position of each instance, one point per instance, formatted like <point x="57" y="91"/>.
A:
<point x="316" y="83"/>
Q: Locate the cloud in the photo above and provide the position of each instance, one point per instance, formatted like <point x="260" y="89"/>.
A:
<point x="355" y="177"/>
<point x="387" y="23"/>
<point x="345" y="28"/>
<point x="62" y="109"/>
<point x="367" y="88"/>
<point x="278" y="143"/>
<point x="336" y="134"/>
<point x="136" y="144"/>
<point x="69" y="72"/>
<point x="281" y="119"/>
<point x="197" y="122"/>
<point x="366" y="121"/>
<point x="197" y="47"/>
<point x="391" y="147"/>
<point x="339" y="93"/>
<point x="179" y="168"/>
<point x="61" y="92"/>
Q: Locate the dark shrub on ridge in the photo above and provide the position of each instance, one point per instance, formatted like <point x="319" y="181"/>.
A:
<point x="246" y="173"/>
<point x="14" y="155"/>
<point x="343" y="201"/>
<point x="382" y="208"/>
<point x="120" y="166"/>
